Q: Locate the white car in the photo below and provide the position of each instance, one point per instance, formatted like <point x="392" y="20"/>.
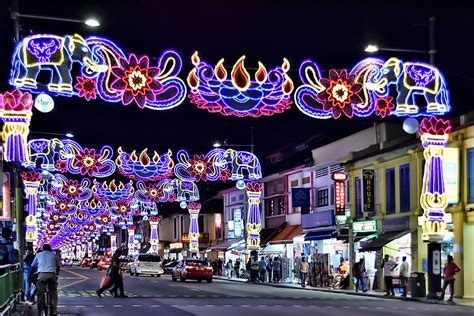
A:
<point x="145" y="263"/>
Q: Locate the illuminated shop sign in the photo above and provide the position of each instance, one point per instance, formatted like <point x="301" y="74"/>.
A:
<point x="340" y="196"/>
<point x="366" y="226"/>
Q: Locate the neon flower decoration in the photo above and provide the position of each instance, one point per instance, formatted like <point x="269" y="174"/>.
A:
<point x="154" y="240"/>
<point x="73" y="189"/>
<point x="158" y="192"/>
<point x="365" y="89"/>
<point x="86" y="161"/>
<point x="15" y="112"/>
<point x="254" y="226"/>
<point x="434" y="135"/>
<point x="111" y="192"/>
<point x="85" y="88"/>
<point x="52" y="53"/>
<point x="131" y="79"/>
<point x="143" y="167"/>
<point x="194" y="209"/>
<point x="42" y="153"/>
<point x="239" y="95"/>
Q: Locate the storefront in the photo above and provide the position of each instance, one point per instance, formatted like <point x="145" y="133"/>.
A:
<point x="176" y="251"/>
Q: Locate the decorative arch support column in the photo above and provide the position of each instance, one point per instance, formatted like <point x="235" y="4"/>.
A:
<point x="254" y="225"/>
<point x="131" y="240"/>
<point x="31" y="183"/>
<point x="434" y="135"/>
<point x="194" y="209"/>
<point x="113" y="242"/>
<point x="154" y="239"/>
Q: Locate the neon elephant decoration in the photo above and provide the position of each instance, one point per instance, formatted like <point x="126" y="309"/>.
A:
<point x="186" y="191"/>
<point x="411" y="79"/>
<point x="51" y="52"/>
<point x="42" y="153"/>
<point x="242" y="162"/>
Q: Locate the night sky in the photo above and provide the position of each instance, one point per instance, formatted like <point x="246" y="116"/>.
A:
<point x="332" y="33"/>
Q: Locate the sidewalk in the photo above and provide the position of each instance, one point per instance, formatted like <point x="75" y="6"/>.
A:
<point x="458" y="301"/>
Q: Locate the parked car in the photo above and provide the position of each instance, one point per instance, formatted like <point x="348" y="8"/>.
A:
<point x="66" y="262"/>
<point x="125" y="263"/>
<point x="146" y="264"/>
<point x="168" y="267"/>
<point x="195" y="269"/>
<point x="104" y="263"/>
<point x="94" y="263"/>
<point x="76" y="262"/>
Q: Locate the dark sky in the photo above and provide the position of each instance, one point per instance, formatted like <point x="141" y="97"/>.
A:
<point x="333" y="33"/>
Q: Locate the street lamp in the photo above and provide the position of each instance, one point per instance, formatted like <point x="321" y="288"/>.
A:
<point x="217" y="144"/>
<point x="372" y="48"/>
<point x="68" y="134"/>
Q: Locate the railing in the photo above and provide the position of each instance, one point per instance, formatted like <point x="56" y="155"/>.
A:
<point x="10" y="287"/>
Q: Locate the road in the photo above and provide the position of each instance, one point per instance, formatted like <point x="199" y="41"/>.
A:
<point x="152" y="296"/>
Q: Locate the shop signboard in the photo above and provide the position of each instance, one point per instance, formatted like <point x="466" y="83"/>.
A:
<point x="364" y="226"/>
<point x="238" y="223"/>
<point x="5" y="207"/>
<point x="138" y="236"/>
<point x="203" y="238"/>
<point x="451" y="174"/>
<point x="340" y="194"/>
<point x="395" y="224"/>
<point x="176" y="246"/>
<point x="218" y="226"/>
<point x="300" y="197"/>
<point x="318" y="219"/>
<point x="368" y="179"/>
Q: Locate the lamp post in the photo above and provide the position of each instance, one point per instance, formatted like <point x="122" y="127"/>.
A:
<point x="372" y="48"/>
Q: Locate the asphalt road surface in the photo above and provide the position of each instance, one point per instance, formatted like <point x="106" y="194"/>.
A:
<point x="161" y="296"/>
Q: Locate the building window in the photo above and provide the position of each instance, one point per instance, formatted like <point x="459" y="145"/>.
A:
<point x="241" y="197"/>
<point x="390" y="190"/>
<point x="281" y="206"/>
<point x="270" y="208"/>
<point x="331" y="196"/>
<point x="358" y="197"/>
<point x="323" y="197"/>
<point x="280" y="187"/>
<point x="233" y="199"/>
<point x="405" y="188"/>
<point x="306" y="180"/>
<point x="294" y="183"/>
<point x="470" y="175"/>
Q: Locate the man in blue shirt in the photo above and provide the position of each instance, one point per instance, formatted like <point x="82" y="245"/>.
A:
<point x="48" y="265"/>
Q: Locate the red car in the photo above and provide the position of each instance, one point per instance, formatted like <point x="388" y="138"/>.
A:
<point x="195" y="269"/>
<point x="85" y="262"/>
<point x="104" y="263"/>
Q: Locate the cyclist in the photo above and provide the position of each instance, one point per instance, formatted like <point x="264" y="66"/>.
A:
<point x="48" y="265"/>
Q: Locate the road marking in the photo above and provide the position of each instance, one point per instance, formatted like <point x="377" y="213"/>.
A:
<point x="155" y="305"/>
<point x="362" y="307"/>
<point x="346" y="307"/>
<point x="227" y="305"/>
<point x="99" y="306"/>
<point x="215" y="296"/>
<point x="296" y="305"/>
<point x="61" y="306"/>
<point x="136" y="305"/>
<point x="203" y="296"/>
<point x="244" y="305"/>
<point x="262" y="305"/>
<point x="80" y="306"/>
<point x="278" y="305"/>
<point x="411" y="308"/>
<point x="117" y="305"/>
<point x="173" y="295"/>
<point x="209" y="305"/>
<point x="195" y="290"/>
<point x="173" y="285"/>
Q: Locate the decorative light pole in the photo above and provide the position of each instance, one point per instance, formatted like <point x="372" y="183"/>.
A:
<point x="194" y="209"/>
<point x="154" y="240"/>
<point x="131" y="240"/>
<point x="31" y="183"/>
<point x="434" y="135"/>
<point x="113" y="242"/>
<point x="254" y="226"/>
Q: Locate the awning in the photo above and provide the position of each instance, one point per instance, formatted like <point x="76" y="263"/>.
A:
<point x="275" y="249"/>
<point x="382" y="240"/>
<point x="225" y="244"/>
<point x="267" y="234"/>
<point x="320" y="235"/>
<point x="286" y="235"/>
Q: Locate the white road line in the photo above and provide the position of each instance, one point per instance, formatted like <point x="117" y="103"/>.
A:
<point x="262" y="305"/>
<point x="173" y="295"/>
<point x="296" y="305"/>
<point x="277" y="305"/>
<point x="346" y="307"/>
<point x="244" y="305"/>
<point x="173" y="285"/>
<point x="195" y="290"/>
<point x="411" y="308"/>
<point x="80" y="306"/>
<point x="209" y="305"/>
<point x="136" y="305"/>
<point x="215" y="296"/>
<point x="61" y="306"/>
<point x="155" y="305"/>
<point x="394" y="307"/>
<point x="227" y="305"/>
<point x="117" y="305"/>
<point x="201" y="296"/>
<point x="100" y="306"/>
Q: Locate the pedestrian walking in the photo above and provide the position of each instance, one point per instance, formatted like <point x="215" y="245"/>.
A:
<point x="27" y="285"/>
<point x="263" y="269"/>
<point x="229" y="267"/>
<point x="270" y="269"/>
<point x="404" y="275"/>
<point x="388" y="266"/>
<point x="358" y="272"/>
<point x="303" y="269"/>
<point x="116" y="278"/>
<point x="220" y="265"/>
<point x="276" y="270"/>
<point x="449" y="272"/>
<point x="237" y="268"/>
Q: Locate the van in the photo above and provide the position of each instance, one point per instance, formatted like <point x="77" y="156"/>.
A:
<point x="145" y="263"/>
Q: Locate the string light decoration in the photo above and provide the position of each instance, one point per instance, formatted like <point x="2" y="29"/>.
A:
<point x="239" y="95"/>
<point x="434" y="135"/>
<point x="154" y="239"/>
<point x="194" y="209"/>
<point x="364" y="90"/>
<point x="72" y="189"/>
<point x="15" y="113"/>
<point x="112" y="193"/>
<point x="254" y="226"/>
<point x="144" y="168"/>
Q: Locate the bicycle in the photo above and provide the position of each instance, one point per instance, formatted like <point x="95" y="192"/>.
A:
<point x="48" y="301"/>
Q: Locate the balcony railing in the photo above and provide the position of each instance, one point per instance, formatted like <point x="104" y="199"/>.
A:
<point x="10" y="287"/>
